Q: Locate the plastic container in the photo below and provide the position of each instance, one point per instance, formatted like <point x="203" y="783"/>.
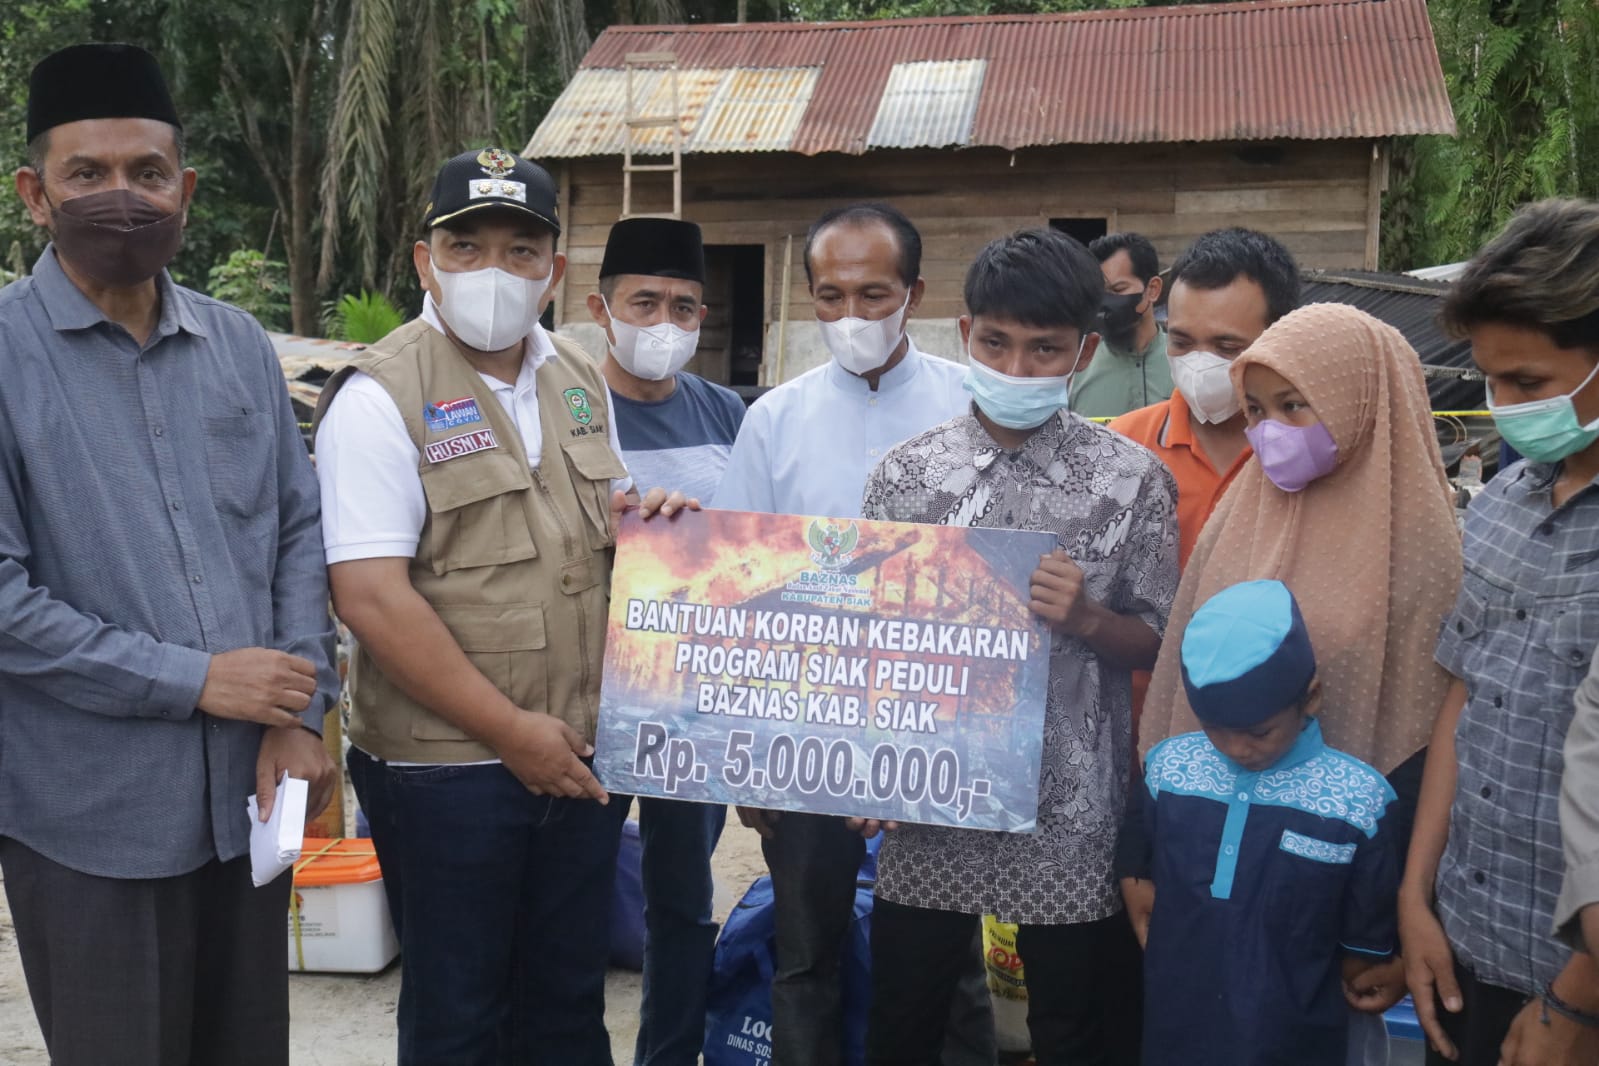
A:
<point x="1407" y="1044"/>
<point x="338" y="915"/>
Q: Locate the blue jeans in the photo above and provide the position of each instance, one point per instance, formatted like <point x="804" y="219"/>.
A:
<point x="677" y="839"/>
<point x="501" y="900"/>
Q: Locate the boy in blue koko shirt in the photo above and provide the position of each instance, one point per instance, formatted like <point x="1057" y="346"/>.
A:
<point x="1274" y="866"/>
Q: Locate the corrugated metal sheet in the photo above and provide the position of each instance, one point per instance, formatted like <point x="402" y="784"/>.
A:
<point x="1411" y="306"/>
<point x="928" y="105"/>
<point x="730" y="110"/>
<point x="587" y="118"/>
<point x="755" y="111"/>
<point x="1290" y="69"/>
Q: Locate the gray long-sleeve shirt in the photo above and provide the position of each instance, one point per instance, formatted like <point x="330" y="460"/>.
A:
<point x="1579" y="812"/>
<point x="156" y="507"/>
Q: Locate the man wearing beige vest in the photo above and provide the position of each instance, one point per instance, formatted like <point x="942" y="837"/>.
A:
<point x="470" y="472"/>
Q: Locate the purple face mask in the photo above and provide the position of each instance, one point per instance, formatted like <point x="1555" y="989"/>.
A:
<point x="1293" y="456"/>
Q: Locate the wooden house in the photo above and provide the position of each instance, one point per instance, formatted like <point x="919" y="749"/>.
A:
<point x="1170" y="121"/>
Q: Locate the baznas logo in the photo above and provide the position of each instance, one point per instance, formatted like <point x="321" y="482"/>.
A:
<point x="830" y="545"/>
<point x="577" y="402"/>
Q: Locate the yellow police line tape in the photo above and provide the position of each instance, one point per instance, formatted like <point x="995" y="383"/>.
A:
<point x="294" y="900"/>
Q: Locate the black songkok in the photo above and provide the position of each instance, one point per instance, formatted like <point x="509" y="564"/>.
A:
<point x="97" y="81"/>
<point x="654" y="247"/>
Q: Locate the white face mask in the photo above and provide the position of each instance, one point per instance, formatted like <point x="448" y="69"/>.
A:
<point x="861" y="345"/>
<point x="1205" y="382"/>
<point x="489" y="309"/>
<point x="653" y="353"/>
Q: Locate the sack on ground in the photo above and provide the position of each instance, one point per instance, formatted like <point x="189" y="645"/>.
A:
<point x="738" y="1014"/>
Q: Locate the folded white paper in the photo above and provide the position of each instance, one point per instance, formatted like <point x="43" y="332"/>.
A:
<point x="275" y="843"/>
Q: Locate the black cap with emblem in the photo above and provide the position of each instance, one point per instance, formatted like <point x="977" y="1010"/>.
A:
<point x="492" y="177"/>
<point x="87" y="81"/>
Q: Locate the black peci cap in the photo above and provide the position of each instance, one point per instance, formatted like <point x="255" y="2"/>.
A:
<point x="87" y="81"/>
<point x="656" y="247"/>
<point x="493" y="177"/>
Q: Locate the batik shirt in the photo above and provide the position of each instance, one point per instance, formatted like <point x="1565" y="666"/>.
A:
<point x="1112" y="507"/>
<point x="1263" y="883"/>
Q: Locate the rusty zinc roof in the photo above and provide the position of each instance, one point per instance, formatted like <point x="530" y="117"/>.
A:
<point x="1294" y="69"/>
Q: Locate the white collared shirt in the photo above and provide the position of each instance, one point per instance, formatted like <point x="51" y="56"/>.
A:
<point x="373" y="506"/>
<point x="807" y="446"/>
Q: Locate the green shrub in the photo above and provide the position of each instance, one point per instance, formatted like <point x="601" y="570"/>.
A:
<point x="363" y="319"/>
<point x="249" y="280"/>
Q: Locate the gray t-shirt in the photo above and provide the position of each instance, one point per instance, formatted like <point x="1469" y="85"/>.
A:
<point x="681" y="442"/>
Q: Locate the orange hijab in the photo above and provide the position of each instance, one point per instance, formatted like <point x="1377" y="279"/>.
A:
<point x="1371" y="551"/>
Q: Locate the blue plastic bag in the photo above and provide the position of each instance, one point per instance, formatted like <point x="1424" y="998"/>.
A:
<point x="738" y="1003"/>
<point x="627" y="902"/>
<point x="738" y="1015"/>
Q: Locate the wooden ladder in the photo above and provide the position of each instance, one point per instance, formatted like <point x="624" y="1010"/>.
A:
<point x="634" y="122"/>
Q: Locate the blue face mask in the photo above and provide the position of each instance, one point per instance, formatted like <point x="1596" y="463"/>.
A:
<point x="1018" y="403"/>
<point x="1546" y="431"/>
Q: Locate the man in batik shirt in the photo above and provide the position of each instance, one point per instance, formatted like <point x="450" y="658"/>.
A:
<point x="1020" y="460"/>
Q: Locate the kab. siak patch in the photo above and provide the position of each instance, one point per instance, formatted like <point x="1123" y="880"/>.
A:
<point x="451" y="414"/>
<point x="577" y="402"/>
<point x="480" y="440"/>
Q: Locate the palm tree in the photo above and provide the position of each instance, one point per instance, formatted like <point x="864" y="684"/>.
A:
<point x="266" y="76"/>
<point x="419" y="80"/>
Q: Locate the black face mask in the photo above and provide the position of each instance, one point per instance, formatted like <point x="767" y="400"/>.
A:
<point x="1119" y="317"/>
<point x="117" y="237"/>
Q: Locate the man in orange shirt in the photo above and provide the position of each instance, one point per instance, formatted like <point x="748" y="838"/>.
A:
<point x="1225" y="290"/>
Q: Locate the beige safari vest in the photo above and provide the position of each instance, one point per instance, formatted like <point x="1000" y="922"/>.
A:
<point x="514" y="560"/>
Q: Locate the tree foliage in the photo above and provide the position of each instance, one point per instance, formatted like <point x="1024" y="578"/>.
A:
<point x="1524" y="80"/>
<point x="365" y="319"/>
<point x="258" y="93"/>
<point x="259" y="285"/>
<point x="317" y="125"/>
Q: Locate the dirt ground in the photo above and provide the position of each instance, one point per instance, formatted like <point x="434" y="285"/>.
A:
<point x="349" y="1020"/>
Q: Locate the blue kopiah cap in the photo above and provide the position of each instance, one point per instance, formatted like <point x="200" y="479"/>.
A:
<point x="1246" y="655"/>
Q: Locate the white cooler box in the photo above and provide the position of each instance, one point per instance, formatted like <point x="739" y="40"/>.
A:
<point x="338" y="915"/>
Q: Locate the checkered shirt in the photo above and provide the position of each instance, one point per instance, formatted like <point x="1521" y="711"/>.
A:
<point x="1521" y="637"/>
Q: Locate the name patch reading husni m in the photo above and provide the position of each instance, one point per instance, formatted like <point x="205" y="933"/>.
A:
<point x="462" y="444"/>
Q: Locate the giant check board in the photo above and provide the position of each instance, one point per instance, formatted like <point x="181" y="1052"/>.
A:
<point x="827" y="665"/>
<point x="832" y="666"/>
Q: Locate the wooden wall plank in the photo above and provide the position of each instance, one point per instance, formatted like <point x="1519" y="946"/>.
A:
<point x="1316" y="197"/>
